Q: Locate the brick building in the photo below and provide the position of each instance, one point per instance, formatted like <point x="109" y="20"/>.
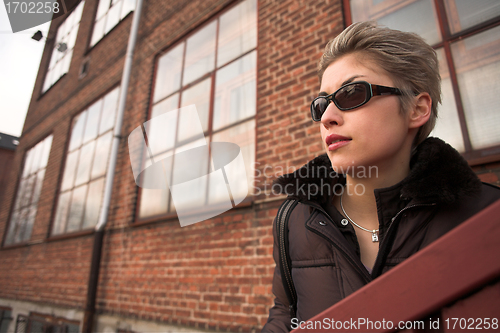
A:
<point x="250" y="68"/>
<point x="8" y="145"/>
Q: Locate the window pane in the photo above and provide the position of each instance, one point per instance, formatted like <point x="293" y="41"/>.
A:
<point x="70" y="328"/>
<point x="70" y="170"/>
<point x="18" y="236"/>
<point x="167" y="105"/>
<point x="199" y="95"/>
<point x="53" y="60"/>
<point x="101" y="155"/>
<point x="28" y="162"/>
<point x="161" y="129"/>
<point x="48" y="80"/>
<point x="244" y="136"/>
<point x="128" y="6"/>
<point x="237" y="31"/>
<point x="93" y="205"/>
<point x="65" y="63"/>
<point x="109" y="110"/>
<point x="28" y="226"/>
<point x="28" y="190"/>
<point x="77" y="131"/>
<point x="168" y="74"/>
<point x="46" y="151"/>
<point x="57" y="72"/>
<point x="235" y="92"/>
<point x="72" y="38"/>
<point x="61" y="213"/>
<point x="200" y="54"/>
<point x="113" y="17"/>
<point x="463" y="14"/>
<point x="155" y="201"/>
<point x="195" y="196"/>
<point x="37" y="152"/>
<point x="38" y="186"/>
<point x="84" y="163"/>
<point x="418" y="16"/>
<point x="477" y="64"/>
<point x="76" y="208"/>
<point x="20" y="194"/>
<point x="13" y="225"/>
<point x="448" y="124"/>
<point x="78" y="13"/>
<point x="92" y="126"/>
<point x="69" y="22"/>
<point x="103" y="8"/>
<point x="98" y="31"/>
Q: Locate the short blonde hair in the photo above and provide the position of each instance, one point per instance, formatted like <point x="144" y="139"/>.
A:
<point x="410" y="62"/>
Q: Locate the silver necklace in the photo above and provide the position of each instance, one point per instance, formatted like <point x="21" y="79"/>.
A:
<point x="374" y="232"/>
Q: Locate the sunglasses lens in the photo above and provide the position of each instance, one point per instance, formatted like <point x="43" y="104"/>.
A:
<point x="347" y="98"/>
<point x="318" y="107"/>
<point x="351" y="96"/>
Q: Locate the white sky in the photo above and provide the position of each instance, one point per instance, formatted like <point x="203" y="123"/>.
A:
<point x="19" y="61"/>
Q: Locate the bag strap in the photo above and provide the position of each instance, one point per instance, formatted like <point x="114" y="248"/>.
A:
<point x="285" y="262"/>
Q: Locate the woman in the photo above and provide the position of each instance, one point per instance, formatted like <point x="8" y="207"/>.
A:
<point x="383" y="190"/>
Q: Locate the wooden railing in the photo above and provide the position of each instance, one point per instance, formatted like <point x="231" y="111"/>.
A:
<point x="452" y="285"/>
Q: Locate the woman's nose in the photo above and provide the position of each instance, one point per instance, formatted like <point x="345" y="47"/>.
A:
<point x="332" y="116"/>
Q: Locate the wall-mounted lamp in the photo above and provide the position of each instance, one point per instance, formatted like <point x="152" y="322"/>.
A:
<point x="37" y="36"/>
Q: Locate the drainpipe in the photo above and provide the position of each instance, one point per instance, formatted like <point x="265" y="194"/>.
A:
<point x="88" y="319"/>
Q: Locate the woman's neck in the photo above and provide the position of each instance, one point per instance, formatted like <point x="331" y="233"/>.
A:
<point x="358" y="196"/>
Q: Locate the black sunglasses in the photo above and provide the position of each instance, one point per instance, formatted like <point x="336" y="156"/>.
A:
<point x="349" y="97"/>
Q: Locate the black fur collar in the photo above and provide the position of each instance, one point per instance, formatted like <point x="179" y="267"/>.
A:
<point x="438" y="174"/>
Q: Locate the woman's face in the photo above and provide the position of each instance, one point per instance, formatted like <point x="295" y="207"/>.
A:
<point x="376" y="134"/>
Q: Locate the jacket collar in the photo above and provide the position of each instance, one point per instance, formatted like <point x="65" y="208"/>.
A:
<point x="438" y="174"/>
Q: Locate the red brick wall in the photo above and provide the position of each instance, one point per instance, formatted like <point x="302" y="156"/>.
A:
<point x="54" y="272"/>
<point x="6" y="159"/>
<point x="292" y="35"/>
<point x="57" y="272"/>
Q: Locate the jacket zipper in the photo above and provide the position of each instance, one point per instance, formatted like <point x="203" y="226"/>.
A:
<point x="376" y="268"/>
<point x="384" y="241"/>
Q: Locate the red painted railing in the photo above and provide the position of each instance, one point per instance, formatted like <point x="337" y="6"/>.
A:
<point x="451" y="285"/>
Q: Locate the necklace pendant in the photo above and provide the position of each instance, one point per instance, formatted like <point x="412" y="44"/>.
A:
<point x="374" y="236"/>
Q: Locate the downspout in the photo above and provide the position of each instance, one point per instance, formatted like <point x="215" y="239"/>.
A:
<point x="88" y="319"/>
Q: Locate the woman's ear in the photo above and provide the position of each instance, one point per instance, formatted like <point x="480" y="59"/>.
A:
<point x="421" y="110"/>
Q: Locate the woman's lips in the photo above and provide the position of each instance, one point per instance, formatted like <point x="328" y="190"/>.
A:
<point x="335" y="141"/>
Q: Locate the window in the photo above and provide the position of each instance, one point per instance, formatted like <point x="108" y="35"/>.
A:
<point x="109" y="13"/>
<point x="82" y="184"/>
<point x="214" y="69"/>
<point x="63" y="50"/>
<point x="5" y="319"/>
<point x="466" y="36"/>
<point x="39" y="323"/>
<point x="28" y="193"/>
